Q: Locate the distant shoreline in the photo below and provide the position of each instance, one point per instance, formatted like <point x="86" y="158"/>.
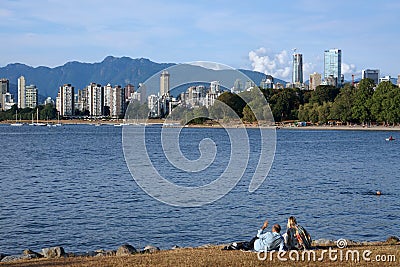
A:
<point x="230" y="125"/>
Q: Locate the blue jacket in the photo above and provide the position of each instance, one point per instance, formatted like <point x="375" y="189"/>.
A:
<point x="268" y="241"/>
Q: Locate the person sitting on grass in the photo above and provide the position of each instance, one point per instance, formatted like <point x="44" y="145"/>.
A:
<point x="268" y="241"/>
<point x="296" y="236"/>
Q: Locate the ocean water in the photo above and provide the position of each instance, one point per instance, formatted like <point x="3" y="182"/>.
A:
<point x="70" y="186"/>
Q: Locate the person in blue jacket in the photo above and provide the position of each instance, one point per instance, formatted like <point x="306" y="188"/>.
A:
<point x="268" y="241"/>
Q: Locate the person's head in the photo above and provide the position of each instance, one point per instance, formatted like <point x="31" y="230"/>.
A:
<point x="276" y="228"/>
<point x="291" y="222"/>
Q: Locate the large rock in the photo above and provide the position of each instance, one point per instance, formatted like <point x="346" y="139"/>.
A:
<point x="2" y="256"/>
<point x="126" y="250"/>
<point x="150" y="249"/>
<point x="392" y="240"/>
<point x="18" y="257"/>
<point x="32" y="253"/>
<point x="53" y="252"/>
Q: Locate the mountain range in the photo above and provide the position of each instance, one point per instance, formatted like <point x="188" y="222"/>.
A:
<point x="113" y="70"/>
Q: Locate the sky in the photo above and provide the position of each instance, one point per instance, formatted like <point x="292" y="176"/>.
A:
<point x="257" y="35"/>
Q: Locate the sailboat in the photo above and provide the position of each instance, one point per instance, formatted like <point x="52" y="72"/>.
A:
<point x="58" y="120"/>
<point x="37" y="119"/>
<point x="32" y="123"/>
<point x="16" y="120"/>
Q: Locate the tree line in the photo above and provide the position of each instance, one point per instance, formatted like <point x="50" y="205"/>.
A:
<point x="367" y="103"/>
<point x="45" y="112"/>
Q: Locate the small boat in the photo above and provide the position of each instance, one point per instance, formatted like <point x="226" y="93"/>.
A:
<point x="16" y="120"/>
<point x="390" y="138"/>
<point x="121" y="124"/>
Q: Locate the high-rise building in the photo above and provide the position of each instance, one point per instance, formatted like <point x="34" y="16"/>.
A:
<point x="297" y="76"/>
<point x="333" y="65"/>
<point x="117" y="102"/>
<point x="4" y="88"/>
<point x="214" y="87"/>
<point x="107" y="95"/>
<point x="95" y="98"/>
<point x="315" y="80"/>
<point x="65" y="102"/>
<point x="31" y="96"/>
<point x="387" y="78"/>
<point x="371" y="74"/>
<point x="21" y="92"/>
<point x="164" y="83"/>
<point x="143" y="93"/>
<point x="129" y="90"/>
<point x="398" y="80"/>
<point x="267" y="82"/>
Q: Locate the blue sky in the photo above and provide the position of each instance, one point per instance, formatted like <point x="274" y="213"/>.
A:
<point x="258" y="35"/>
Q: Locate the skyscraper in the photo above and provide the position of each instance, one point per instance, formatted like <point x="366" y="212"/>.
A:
<point x="65" y="100"/>
<point x="95" y="98"/>
<point x="21" y="92"/>
<point x="297" y="75"/>
<point x="371" y="74"/>
<point x="31" y="96"/>
<point x="164" y="83"/>
<point x="117" y="102"/>
<point x="333" y="65"/>
<point x="4" y="87"/>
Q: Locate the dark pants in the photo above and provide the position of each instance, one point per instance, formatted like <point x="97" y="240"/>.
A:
<point x="251" y="243"/>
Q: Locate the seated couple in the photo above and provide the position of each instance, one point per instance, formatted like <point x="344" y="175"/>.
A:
<point x="296" y="237"/>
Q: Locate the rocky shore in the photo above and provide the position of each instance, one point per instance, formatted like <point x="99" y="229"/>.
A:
<point x="57" y="256"/>
<point x="59" y="252"/>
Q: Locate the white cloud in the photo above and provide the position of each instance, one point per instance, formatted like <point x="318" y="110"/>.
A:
<point x="349" y="69"/>
<point x="278" y="65"/>
<point x="275" y="64"/>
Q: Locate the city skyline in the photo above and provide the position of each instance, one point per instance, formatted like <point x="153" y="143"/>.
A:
<point x="242" y="35"/>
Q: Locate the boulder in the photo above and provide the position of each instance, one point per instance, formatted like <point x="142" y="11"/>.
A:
<point x="32" y="253"/>
<point x="102" y="252"/>
<point x="53" y="252"/>
<point x="126" y="250"/>
<point x="2" y="256"/>
<point x="18" y="257"/>
<point x="150" y="249"/>
<point x="392" y="240"/>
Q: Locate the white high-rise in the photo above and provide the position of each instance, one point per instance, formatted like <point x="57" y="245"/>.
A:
<point x="117" y="102"/>
<point x="31" y="96"/>
<point x="95" y="95"/>
<point x="164" y="83"/>
<point x="21" y="92"/>
<point x="65" y="100"/>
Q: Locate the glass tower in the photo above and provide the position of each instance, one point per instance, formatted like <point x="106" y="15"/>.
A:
<point x="333" y="65"/>
<point x="297" y="68"/>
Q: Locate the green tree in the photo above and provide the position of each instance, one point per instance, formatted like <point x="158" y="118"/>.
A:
<point x="324" y="112"/>
<point x="200" y="115"/>
<point x="234" y="101"/>
<point x="324" y="93"/>
<point x="384" y="106"/>
<point x="343" y="105"/>
<point x="248" y="115"/>
<point x="283" y="103"/>
<point x="362" y="101"/>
